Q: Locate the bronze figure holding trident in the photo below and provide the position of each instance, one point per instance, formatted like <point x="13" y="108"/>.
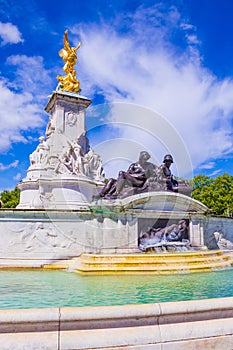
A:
<point x="69" y="82"/>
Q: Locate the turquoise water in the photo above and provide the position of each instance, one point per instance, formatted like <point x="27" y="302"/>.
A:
<point x="39" y="289"/>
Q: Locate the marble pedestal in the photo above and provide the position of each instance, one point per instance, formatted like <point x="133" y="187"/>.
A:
<point x="64" y="192"/>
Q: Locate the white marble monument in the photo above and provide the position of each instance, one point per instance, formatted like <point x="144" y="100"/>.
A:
<point x="64" y="171"/>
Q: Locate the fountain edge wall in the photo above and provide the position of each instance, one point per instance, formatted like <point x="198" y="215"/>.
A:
<point x="36" y="237"/>
<point x="199" y="324"/>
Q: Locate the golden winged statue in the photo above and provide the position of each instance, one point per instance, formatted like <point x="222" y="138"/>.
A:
<point x="69" y="82"/>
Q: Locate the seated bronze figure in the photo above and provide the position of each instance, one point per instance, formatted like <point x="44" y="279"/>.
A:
<point x="143" y="176"/>
<point x="132" y="181"/>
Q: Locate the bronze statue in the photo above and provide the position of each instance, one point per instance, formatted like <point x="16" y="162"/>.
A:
<point x="176" y="234"/>
<point x="69" y="82"/>
<point x="144" y="176"/>
<point x="132" y="181"/>
<point x="164" y="175"/>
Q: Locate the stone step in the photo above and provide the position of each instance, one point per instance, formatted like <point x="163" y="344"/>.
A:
<point x="146" y="263"/>
<point x="141" y="266"/>
<point x="156" y="264"/>
<point x="146" y="257"/>
<point x="154" y="270"/>
<point x="189" y="253"/>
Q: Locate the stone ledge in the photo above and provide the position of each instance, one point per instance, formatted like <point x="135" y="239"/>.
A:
<point x="195" y="336"/>
<point x="116" y="316"/>
<point x="205" y="324"/>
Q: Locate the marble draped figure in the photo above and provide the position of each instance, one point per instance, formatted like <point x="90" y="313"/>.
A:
<point x="77" y="158"/>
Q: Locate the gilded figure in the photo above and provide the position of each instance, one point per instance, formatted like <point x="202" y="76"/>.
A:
<point x="69" y="82"/>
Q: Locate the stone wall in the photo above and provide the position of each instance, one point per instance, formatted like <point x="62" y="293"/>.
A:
<point x="35" y="237"/>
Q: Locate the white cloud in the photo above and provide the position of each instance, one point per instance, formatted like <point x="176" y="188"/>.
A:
<point x="10" y="34"/>
<point x="143" y="129"/>
<point x="209" y="165"/>
<point x="11" y="165"/>
<point x="18" y="113"/>
<point x="187" y="26"/>
<point x="17" y="177"/>
<point x="192" y="39"/>
<point x="141" y="65"/>
<point x="31" y="75"/>
<point x="216" y="172"/>
<point x="22" y="100"/>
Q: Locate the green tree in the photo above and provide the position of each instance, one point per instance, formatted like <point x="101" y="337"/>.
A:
<point x="10" y="199"/>
<point x="216" y="194"/>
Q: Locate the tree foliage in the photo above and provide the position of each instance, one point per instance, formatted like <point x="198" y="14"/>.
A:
<point x="10" y="199"/>
<point x="215" y="193"/>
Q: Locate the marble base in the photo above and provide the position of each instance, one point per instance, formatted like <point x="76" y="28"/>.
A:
<point x="60" y="192"/>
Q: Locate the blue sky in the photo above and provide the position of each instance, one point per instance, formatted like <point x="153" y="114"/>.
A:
<point x="144" y="64"/>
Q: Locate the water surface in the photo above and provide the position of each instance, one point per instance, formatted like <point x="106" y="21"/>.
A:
<point x="40" y="289"/>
